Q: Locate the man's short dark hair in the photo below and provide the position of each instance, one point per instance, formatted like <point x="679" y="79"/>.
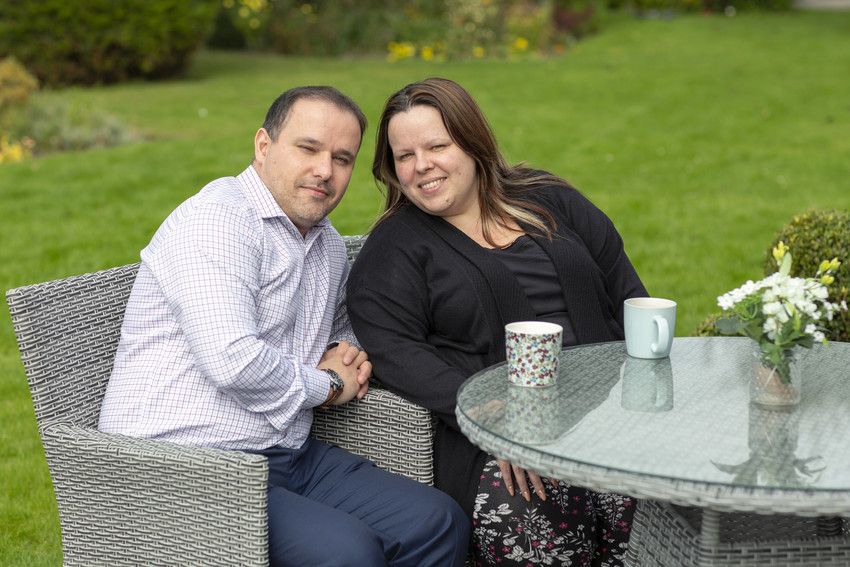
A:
<point x="279" y="110"/>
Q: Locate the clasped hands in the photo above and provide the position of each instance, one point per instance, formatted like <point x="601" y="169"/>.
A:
<point x="352" y="365"/>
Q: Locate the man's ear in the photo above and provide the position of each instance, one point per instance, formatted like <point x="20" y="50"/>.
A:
<point x="262" y="141"/>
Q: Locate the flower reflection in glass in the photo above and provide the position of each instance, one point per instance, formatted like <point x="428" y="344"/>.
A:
<point x="773" y="461"/>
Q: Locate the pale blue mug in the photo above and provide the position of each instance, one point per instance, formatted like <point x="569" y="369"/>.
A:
<point x="649" y="326"/>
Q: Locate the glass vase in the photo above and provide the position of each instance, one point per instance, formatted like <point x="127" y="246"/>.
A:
<point x="773" y="387"/>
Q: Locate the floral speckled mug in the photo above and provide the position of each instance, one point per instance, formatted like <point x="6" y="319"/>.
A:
<point x="532" y="351"/>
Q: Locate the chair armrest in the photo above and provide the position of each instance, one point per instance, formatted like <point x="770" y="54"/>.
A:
<point x="128" y="501"/>
<point x="395" y="434"/>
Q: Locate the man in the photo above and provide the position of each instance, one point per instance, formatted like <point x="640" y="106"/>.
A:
<point x="236" y="329"/>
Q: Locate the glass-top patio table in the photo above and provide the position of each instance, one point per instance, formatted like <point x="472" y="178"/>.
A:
<point x="682" y="430"/>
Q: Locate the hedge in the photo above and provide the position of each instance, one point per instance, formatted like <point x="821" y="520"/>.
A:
<point x="104" y="41"/>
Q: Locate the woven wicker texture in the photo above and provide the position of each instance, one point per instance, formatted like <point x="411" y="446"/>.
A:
<point x="404" y="445"/>
<point x="126" y="501"/>
<point x="667" y="535"/>
<point x="67" y="333"/>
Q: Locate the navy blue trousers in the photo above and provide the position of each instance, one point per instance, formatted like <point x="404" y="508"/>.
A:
<point x="327" y="506"/>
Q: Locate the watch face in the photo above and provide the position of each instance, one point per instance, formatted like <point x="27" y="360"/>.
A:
<point x="336" y="381"/>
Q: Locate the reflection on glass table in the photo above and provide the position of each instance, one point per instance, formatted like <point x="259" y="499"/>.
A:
<point x="773" y="459"/>
<point x="682" y="431"/>
<point x="646" y="385"/>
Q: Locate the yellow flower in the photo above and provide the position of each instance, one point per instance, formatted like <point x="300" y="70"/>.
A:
<point x="828" y="266"/>
<point x="779" y="251"/>
<point x="826" y="279"/>
<point x="400" y="50"/>
<point x="520" y="44"/>
<point x="12" y="152"/>
<point x="478" y="52"/>
<point x="255" y="5"/>
<point x="427" y="53"/>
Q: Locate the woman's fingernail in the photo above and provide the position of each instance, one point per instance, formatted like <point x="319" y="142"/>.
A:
<point x="542" y="495"/>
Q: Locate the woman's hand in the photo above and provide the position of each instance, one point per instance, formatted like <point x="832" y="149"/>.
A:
<point x="512" y="473"/>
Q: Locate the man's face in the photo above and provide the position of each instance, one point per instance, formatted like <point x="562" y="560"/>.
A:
<point x="308" y="167"/>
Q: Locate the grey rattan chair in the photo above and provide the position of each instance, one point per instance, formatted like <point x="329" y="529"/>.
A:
<point x="126" y="501"/>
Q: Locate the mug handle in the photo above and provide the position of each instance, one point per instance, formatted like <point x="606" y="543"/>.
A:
<point x="663" y="335"/>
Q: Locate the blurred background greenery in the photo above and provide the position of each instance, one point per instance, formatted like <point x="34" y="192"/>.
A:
<point x="700" y="127"/>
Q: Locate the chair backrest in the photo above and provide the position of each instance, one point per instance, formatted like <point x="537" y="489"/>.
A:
<point x="68" y="332"/>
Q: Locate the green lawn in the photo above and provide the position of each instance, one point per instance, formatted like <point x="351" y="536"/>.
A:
<point x="699" y="136"/>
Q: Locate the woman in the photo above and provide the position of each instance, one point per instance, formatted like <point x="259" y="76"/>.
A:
<point x="467" y="244"/>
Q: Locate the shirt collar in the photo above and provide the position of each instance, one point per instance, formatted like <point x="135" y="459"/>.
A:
<point x="263" y="201"/>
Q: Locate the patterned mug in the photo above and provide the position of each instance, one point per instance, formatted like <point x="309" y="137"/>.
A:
<point x="532" y="349"/>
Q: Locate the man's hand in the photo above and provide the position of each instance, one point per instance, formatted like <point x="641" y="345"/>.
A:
<point x="353" y="367"/>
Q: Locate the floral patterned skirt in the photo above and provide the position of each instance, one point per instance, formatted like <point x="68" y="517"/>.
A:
<point x="574" y="526"/>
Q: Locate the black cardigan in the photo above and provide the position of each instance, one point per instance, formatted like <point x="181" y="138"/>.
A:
<point x="429" y="305"/>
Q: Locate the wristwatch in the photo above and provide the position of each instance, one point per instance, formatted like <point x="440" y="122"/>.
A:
<point x="337" y="385"/>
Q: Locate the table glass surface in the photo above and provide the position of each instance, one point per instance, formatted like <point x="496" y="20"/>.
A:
<point x="687" y="417"/>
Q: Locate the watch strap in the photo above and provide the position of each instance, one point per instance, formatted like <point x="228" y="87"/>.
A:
<point x="337" y="385"/>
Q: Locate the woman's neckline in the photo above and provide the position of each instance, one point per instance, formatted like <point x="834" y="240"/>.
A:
<point x="510" y="244"/>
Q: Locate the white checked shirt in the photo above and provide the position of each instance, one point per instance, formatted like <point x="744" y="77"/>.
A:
<point x="230" y="313"/>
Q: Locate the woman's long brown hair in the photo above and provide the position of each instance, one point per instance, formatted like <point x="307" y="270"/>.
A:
<point x="502" y="188"/>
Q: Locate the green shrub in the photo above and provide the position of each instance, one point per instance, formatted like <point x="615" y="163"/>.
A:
<point x="104" y="41"/>
<point x="16" y="86"/>
<point x="729" y="7"/>
<point x="54" y="125"/>
<point x="226" y="34"/>
<point x="767" y="5"/>
<point x="812" y="237"/>
<point x="430" y="29"/>
<point x="576" y="18"/>
<point x="706" y="327"/>
<point x="339" y="27"/>
<point x="243" y="23"/>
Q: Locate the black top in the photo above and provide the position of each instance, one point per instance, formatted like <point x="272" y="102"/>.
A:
<point x="536" y="274"/>
<point x="430" y="306"/>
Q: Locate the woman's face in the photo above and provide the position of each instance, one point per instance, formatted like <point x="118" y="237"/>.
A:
<point x="435" y="174"/>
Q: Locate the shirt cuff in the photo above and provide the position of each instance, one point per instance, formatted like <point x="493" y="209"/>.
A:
<point x="317" y="386"/>
<point x="345" y="337"/>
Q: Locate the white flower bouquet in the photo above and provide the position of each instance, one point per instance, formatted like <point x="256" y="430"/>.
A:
<point x="781" y="312"/>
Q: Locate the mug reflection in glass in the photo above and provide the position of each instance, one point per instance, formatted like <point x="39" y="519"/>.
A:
<point x="647" y="385"/>
<point x="531" y="415"/>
